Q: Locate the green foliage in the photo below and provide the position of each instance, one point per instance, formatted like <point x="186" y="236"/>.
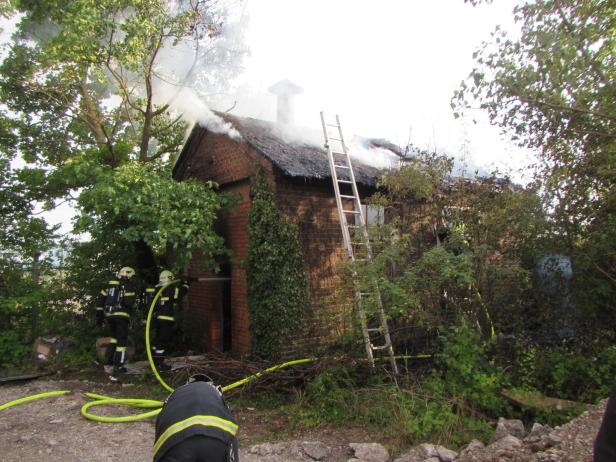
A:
<point x="277" y="283"/>
<point x="12" y="349"/>
<point x="553" y="90"/>
<point x="466" y="373"/>
<point x="78" y="89"/>
<point x="569" y="373"/>
<point x="456" y="249"/>
<point x="139" y="202"/>
<point x="407" y="413"/>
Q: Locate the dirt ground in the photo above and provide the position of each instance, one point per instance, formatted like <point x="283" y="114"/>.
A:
<point x="52" y="429"/>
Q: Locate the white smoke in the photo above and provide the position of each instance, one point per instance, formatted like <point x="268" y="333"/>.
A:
<point x="190" y="75"/>
<point x="358" y="148"/>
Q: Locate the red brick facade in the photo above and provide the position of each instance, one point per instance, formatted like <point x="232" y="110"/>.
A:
<point x="310" y="205"/>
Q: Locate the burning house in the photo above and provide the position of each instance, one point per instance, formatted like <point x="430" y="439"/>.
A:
<point x="299" y="174"/>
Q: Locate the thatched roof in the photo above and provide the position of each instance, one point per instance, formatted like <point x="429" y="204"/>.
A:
<point x="292" y="155"/>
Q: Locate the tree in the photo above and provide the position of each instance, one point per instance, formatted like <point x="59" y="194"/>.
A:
<point x="81" y="87"/>
<point x="553" y="90"/>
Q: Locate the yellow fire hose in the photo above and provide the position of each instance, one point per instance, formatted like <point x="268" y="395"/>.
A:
<point x="26" y="399"/>
<point x="102" y="400"/>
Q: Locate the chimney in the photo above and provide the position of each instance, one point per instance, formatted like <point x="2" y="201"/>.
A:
<point x="285" y="90"/>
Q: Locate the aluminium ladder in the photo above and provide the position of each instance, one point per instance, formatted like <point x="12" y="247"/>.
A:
<point x="356" y="242"/>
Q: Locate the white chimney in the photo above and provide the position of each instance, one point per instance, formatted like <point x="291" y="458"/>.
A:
<point x="285" y="90"/>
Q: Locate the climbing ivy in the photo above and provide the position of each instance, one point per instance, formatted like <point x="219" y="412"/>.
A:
<point x="277" y="282"/>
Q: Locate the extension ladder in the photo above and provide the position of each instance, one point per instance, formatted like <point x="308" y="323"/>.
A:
<point x="356" y="242"/>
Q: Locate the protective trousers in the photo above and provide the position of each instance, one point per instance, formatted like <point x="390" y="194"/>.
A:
<point x="116" y="349"/>
<point x="200" y="448"/>
<point x="163" y="334"/>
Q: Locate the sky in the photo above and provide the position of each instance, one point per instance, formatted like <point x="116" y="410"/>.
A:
<point x="388" y="69"/>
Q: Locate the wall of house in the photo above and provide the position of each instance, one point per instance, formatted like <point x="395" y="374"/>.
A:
<point x="230" y="164"/>
<point x="312" y="207"/>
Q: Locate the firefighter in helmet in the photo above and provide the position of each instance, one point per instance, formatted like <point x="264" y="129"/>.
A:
<point x="117" y="301"/>
<point x="195" y="424"/>
<point x="164" y="314"/>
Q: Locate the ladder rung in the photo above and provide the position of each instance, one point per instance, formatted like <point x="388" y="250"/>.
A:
<point x="332" y="138"/>
<point x="341" y="166"/>
<point x="359" y="243"/>
<point x="381" y="347"/>
<point x="345" y="181"/>
<point x="364" y="294"/>
<point x="355" y="226"/>
<point x="332" y="125"/>
<point x="351" y="211"/>
<point x="340" y="153"/>
<point x="374" y="329"/>
<point x="348" y="197"/>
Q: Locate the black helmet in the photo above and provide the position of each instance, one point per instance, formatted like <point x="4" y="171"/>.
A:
<point x="200" y="378"/>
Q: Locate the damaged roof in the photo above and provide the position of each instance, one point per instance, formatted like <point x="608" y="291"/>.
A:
<point x="294" y="157"/>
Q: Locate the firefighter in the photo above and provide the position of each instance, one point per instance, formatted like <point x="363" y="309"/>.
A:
<point x="605" y="442"/>
<point x="119" y="300"/>
<point x="195" y="425"/>
<point x="164" y="315"/>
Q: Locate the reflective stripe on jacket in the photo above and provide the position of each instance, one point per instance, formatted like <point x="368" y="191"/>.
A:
<point x="196" y="408"/>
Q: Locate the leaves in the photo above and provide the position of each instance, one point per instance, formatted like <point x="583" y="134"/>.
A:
<point x="553" y="90"/>
<point x="277" y="283"/>
<point x="140" y="202"/>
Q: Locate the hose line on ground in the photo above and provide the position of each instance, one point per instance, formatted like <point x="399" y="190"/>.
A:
<point x="26" y="399"/>
<point x="102" y="400"/>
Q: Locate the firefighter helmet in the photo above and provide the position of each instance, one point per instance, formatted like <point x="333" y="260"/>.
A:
<point x="126" y="272"/>
<point x="165" y="277"/>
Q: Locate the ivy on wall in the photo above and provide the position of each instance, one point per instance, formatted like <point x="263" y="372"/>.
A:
<point x="277" y="282"/>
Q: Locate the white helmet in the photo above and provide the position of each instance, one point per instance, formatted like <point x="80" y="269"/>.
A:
<point x="165" y="277"/>
<point x="126" y="272"/>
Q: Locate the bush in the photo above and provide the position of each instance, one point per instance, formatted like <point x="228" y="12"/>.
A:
<point x="467" y="374"/>
<point x="12" y="349"/>
<point x="406" y="412"/>
<point x="575" y="374"/>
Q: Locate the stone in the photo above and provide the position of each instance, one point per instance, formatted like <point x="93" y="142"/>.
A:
<point x="505" y="443"/>
<point x="446" y="455"/>
<point x="370" y="452"/>
<point x="428" y="450"/>
<point x="537" y="431"/>
<point x="474" y="445"/>
<point x="52" y="442"/>
<point x="316" y="450"/>
<point x="512" y="427"/>
<point x="553" y="440"/>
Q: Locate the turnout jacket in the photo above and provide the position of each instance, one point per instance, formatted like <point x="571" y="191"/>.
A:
<point x="171" y="296"/>
<point x="196" y="408"/>
<point x="117" y="299"/>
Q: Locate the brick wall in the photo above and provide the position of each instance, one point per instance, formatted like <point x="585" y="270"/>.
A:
<point x="230" y="164"/>
<point x="312" y="207"/>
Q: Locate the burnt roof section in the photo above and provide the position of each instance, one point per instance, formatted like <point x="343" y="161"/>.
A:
<point x="293" y="158"/>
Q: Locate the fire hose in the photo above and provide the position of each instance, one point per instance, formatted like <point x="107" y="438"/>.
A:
<point x="142" y="403"/>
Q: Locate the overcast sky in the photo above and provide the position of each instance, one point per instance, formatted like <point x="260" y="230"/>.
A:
<point x="387" y="68"/>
